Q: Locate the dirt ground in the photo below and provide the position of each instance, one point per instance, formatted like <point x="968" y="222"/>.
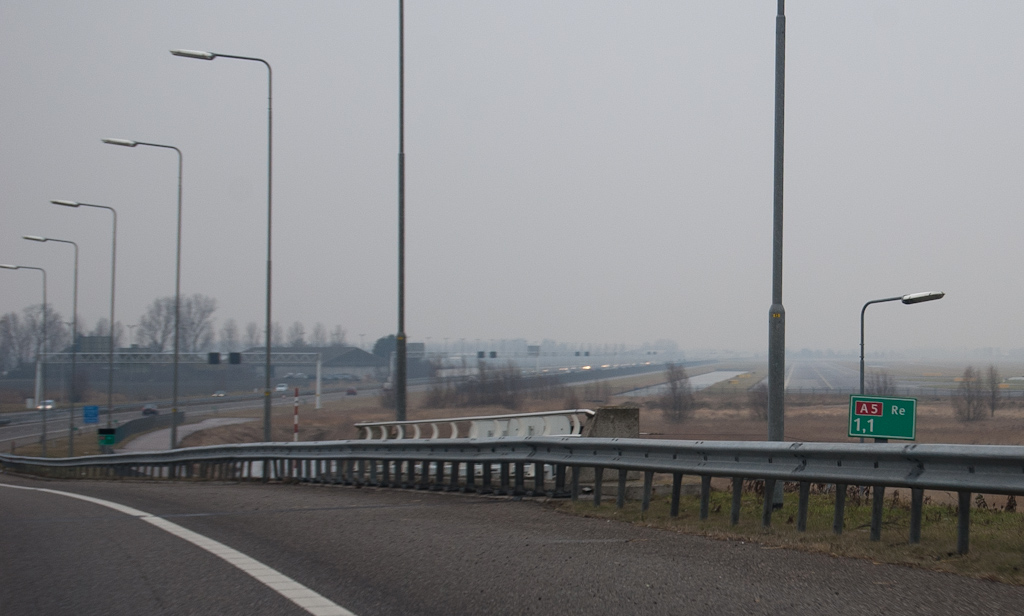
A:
<point x="815" y="422"/>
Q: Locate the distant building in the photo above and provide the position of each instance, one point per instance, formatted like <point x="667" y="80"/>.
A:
<point x="94" y="344"/>
<point x="335" y="361"/>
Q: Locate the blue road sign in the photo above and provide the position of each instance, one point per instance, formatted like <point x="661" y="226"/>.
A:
<point x="90" y="414"/>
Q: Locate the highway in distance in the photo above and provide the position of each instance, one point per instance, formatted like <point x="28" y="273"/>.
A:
<point x="377" y="552"/>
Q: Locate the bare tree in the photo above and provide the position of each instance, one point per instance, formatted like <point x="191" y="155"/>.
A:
<point x="229" y="335"/>
<point x="757" y="399"/>
<point x="297" y="335"/>
<point x="58" y="335"/>
<point x="319" y="336"/>
<point x="252" y="335"/>
<point x="15" y="342"/>
<point x="276" y="334"/>
<point x="994" y="393"/>
<point x="337" y="336"/>
<point x="880" y="383"/>
<point x="196" y="322"/>
<point x="969" y="399"/>
<point x="677" y="403"/>
<point x="156" y="327"/>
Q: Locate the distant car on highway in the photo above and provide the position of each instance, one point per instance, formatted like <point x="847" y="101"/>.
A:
<point x="219" y="393"/>
<point x="150" y="409"/>
<point x="47" y="405"/>
<point x="351" y="392"/>
<point x="281" y="387"/>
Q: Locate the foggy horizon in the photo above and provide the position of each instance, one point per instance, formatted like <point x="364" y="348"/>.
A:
<point x="587" y="172"/>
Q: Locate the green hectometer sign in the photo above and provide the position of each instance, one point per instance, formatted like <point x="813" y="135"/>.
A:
<point x="874" y="417"/>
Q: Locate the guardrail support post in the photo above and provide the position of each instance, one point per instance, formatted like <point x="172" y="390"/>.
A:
<point x="486" y="488"/>
<point x="411" y="476"/>
<point x="737" y="500"/>
<point x="705" y="495"/>
<point x="504" y="478"/>
<point x="648" y="484"/>
<point x="840" y="513"/>
<point x="559" y="480"/>
<point x="677" y="488"/>
<point x="620" y="496"/>
<point x="438" y="476"/>
<point x="801" y="512"/>
<point x="385" y="471"/>
<point x="470" y="477"/>
<point x="963" y="527"/>
<point x="877" y="507"/>
<point x="453" y="483"/>
<point x="769" y="503"/>
<point x="538" y="479"/>
<point x="598" y="476"/>
<point x="520" y="488"/>
<point x="574" y="490"/>
<point x="916" y="502"/>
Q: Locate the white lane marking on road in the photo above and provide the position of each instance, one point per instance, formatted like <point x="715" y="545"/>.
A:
<point x="823" y="379"/>
<point x="312" y="602"/>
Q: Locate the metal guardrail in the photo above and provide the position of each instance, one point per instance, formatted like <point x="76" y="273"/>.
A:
<point x="147" y="424"/>
<point x="544" y="423"/>
<point x="455" y="464"/>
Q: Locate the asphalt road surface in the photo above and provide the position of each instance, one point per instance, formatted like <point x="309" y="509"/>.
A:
<point x="27" y="427"/>
<point x="403" y="552"/>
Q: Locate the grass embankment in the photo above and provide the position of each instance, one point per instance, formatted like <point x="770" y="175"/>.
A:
<point x="996" y="540"/>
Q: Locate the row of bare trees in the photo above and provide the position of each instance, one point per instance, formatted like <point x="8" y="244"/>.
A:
<point x="21" y="333"/>
<point x="196" y="325"/>
<point x="501" y="386"/>
<point x="977" y="394"/>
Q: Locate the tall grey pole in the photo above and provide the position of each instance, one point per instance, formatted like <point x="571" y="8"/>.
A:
<point x="777" y="313"/>
<point x="209" y="55"/>
<point x="74" y="342"/>
<point x="400" y="353"/>
<point x="74" y="358"/>
<point x="110" y="355"/>
<point x="177" y="284"/>
<point x="113" y="277"/>
<point x="40" y="351"/>
<point x="42" y="355"/>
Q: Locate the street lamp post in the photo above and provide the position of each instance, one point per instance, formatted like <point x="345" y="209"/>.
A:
<point x="878" y="493"/>
<point x="40" y="364"/>
<point x="113" y="278"/>
<point x="401" y="372"/>
<point x="912" y="298"/>
<point x="208" y="55"/>
<point x="74" y="339"/>
<point x="177" y="283"/>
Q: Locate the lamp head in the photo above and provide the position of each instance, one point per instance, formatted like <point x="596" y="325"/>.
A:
<point x="917" y="298"/>
<point x="64" y="203"/>
<point x="34" y="238"/>
<point x="6" y="266"/>
<point x="125" y="142"/>
<point x="189" y="53"/>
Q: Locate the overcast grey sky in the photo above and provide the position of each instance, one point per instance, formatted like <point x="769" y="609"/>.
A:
<point x="588" y="171"/>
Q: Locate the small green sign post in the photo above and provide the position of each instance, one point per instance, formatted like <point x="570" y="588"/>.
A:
<point x="875" y="417"/>
<point x="107" y="436"/>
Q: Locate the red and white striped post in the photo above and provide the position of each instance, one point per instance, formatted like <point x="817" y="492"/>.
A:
<point x="295" y="434"/>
